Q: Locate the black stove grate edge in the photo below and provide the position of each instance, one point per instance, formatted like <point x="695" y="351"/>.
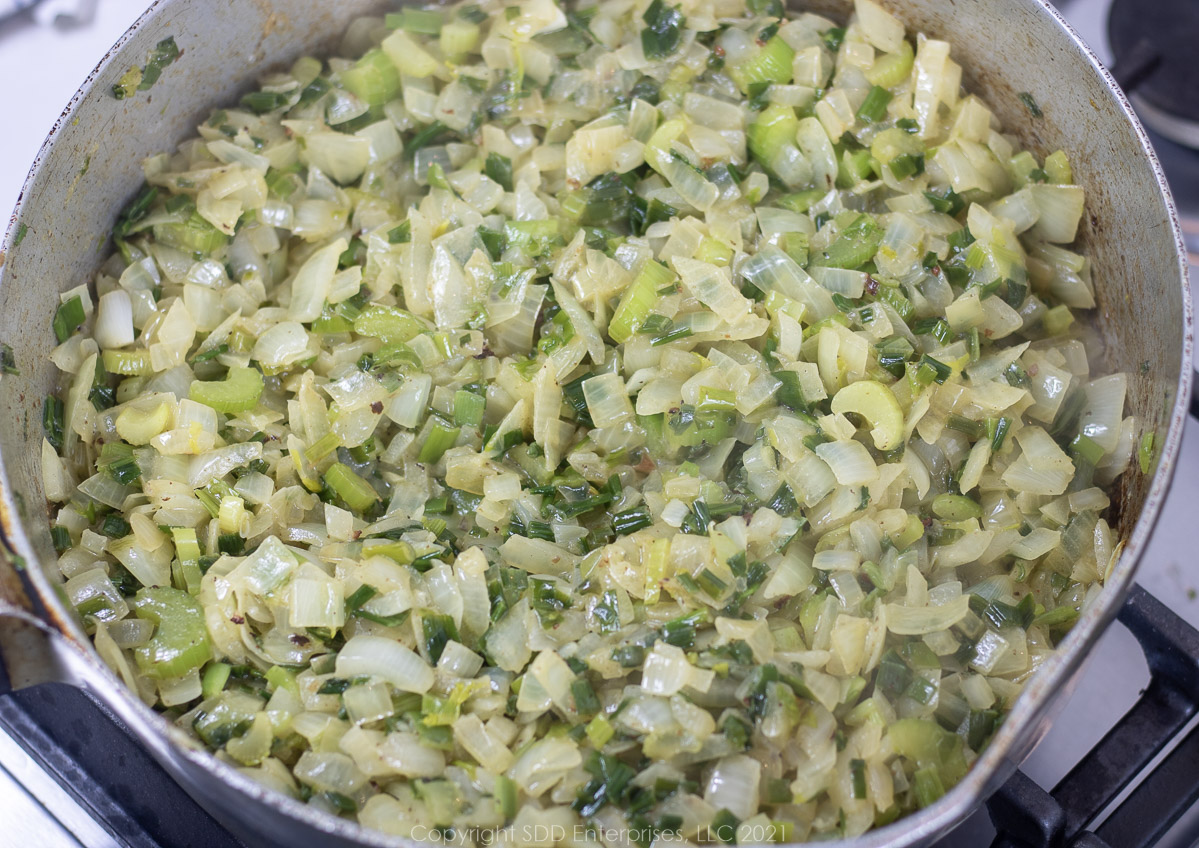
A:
<point x="1026" y="816"/>
<point x="107" y="771"/>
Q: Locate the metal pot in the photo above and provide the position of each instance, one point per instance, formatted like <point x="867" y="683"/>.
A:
<point x="90" y="166"/>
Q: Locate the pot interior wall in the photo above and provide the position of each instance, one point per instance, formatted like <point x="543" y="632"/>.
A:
<point x="89" y="170"/>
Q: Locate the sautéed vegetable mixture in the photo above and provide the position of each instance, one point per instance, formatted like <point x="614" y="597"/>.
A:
<point x="671" y="421"/>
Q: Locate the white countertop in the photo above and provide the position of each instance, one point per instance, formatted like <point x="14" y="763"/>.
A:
<point x="45" y="65"/>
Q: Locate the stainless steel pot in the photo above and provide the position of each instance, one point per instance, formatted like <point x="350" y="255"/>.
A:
<point x="90" y="166"/>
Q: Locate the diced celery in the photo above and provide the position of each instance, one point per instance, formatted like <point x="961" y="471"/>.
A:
<point x="322" y="447"/>
<point x="440" y="439"/>
<point x="468" y="408"/>
<point x="927" y="744"/>
<point x="770" y="64"/>
<point x="856" y="245"/>
<point x="638" y="299"/>
<point x="458" y="38"/>
<point x="358" y="494"/>
<point x="187" y="547"/>
<point x="714" y="252"/>
<point x="195" y="235"/>
<point x="238" y="392"/>
<point x="388" y="323"/>
<point x="772" y="141"/>
<point x="1057" y="167"/>
<point x="956" y="507"/>
<point x="128" y="363"/>
<point x="878" y="405"/>
<point x="1057" y="320"/>
<point x="891" y="69"/>
<point x="216" y="675"/>
<point x="180" y="642"/>
<point x="138" y="427"/>
<point x="407" y="55"/>
<point x="373" y="78"/>
<point x="893" y="143"/>
<point x="506" y="797"/>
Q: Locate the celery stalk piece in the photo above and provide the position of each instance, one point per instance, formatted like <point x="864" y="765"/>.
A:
<point x="180" y="642"/>
<point x="877" y="404"/>
<point x="638" y="299"/>
<point x="216" y="675"/>
<point x="771" y="64"/>
<point x="772" y="141"/>
<point x="441" y="438"/>
<point x="458" y="38"/>
<point x="388" y="323"/>
<point x="128" y="363"/>
<point x="138" y="427"/>
<point x="358" y="494"/>
<point x="238" y="392"/>
<point x="891" y="69"/>
<point x="373" y="78"/>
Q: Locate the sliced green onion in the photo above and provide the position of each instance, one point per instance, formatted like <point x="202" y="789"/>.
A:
<point x="468" y="408"/>
<point x="663" y="31"/>
<point x="68" y="317"/>
<point x="874" y="107"/>
<point x="638" y="299"/>
<point x="441" y="438"/>
<point x="358" y="494"/>
<point x="499" y="168"/>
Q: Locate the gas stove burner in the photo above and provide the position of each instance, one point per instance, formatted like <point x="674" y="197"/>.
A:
<point x="1153" y="43"/>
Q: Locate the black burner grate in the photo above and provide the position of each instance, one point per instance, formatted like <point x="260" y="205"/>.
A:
<point x="1029" y="817"/>
<point x="1154" y="46"/>
<point x="91" y="755"/>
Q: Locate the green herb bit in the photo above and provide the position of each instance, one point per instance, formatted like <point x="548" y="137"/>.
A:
<point x="1031" y="104"/>
<point x="61" y="538"/>
<point x="117" y="459"/>
<point x="1146" y="452"/>
<point x="358" y="494"/>
<point x="611" y="779"/>
<point x="932" y="369"/>
<point x="52" y="421"/>
<point x="8" y="362"/>
<point x="632" y="520"/>
<point x="681" y="631"/>
<point x="115" y="527"/>
<point x="664" y="30"/>
<point x="947" y="202"/>
<point x="438" y="631"/>
<point x="261" y="102"/>
<point x="425" y="137"/>
<point x="441" y="438"/>
<point x="629" y="656"/>
<point x="499" y="168"/>
<point x="401" y="234"/>
<point x="874" y="107"/>
<point x="758" y="93"/>
<point x="834" y="37"/>
<point x="857" y="771"/>
<point x="724" y="827"/>
<point x="163" y="54"/>
<point x="68" y="318"/>
<point x="208" y="355"/>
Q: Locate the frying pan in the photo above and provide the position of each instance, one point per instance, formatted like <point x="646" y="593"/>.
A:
<point x="89" y="167"/>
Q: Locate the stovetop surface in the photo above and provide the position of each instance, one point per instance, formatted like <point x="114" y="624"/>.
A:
<point x="36" y="811"/>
